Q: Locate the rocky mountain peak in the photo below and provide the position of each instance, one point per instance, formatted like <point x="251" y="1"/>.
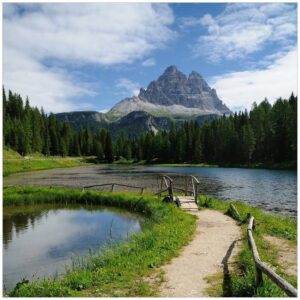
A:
<point x="171" y="75"/>
<point x="171" y="70"/>
<point x="174" y="92"/>
<point x="195" y="74"/>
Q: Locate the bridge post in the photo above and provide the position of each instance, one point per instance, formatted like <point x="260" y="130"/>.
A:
<point x="170" y="188"/>
<point x="196" y="193"/>
<point x="185" y="185"/>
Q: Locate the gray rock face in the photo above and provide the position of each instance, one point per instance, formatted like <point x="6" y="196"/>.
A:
<point x="174" y="90"/>
<point x="78" y="119"/>
<point x="137" y="122"/>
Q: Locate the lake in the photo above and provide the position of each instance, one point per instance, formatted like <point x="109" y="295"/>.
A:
<point x="272" y="190"/>
<point x="40" y="240"/>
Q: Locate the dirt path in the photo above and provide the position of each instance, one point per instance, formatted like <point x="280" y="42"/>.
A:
<point x="216" y="241"/>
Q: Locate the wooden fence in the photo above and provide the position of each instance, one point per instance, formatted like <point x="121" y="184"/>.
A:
<point x="262" y="267"/>
<point x="113" y="186"/>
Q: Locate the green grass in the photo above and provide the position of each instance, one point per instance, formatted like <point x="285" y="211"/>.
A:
<point x="15" y="163"/>
<point x="187" y="165"/>
<point x="124" y="161"/>
<point x="242" y="282"/>
<point x="119" y="269"/>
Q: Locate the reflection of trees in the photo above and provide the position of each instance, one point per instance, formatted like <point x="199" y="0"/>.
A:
<point x="18" y="219"/>
<point x="19" y="222"/>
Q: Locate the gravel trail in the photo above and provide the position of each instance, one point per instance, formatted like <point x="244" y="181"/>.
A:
<point x="212" y="249"/>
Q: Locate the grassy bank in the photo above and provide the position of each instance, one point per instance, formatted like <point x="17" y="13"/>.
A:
<point x="120" y="269"/>
<point x="15" y="163"/>
<point x="187" y="165"/>
<point x="241" y="283"/>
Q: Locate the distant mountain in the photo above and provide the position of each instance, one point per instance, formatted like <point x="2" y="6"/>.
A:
<point x="84" y="119"/>
<point x="133" y="123"/>
<point x="173" y="96"/>
<point x="137" y="122"/>
<point x="174" y="93"/>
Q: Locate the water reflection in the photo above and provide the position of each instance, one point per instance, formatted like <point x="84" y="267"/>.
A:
<point x="40" y="240"/>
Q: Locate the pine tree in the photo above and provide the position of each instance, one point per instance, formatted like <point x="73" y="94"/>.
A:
<point x="248" y="143"/>
<point x="75" y="146"/>
<point x="6" y="119"/>
<point x="98" y="150"/>
<point x="127" y="153"/>
<point x="108" y="152"/>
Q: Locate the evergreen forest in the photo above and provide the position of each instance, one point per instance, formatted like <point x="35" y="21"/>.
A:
<point x="266" y="134"/>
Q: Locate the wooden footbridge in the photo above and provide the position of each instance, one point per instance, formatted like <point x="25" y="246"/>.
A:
<point x="190" y="189"/>
<point x="189" y="199"/>
<point x="167" y="185"/>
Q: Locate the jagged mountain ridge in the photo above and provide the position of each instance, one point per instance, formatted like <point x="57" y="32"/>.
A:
<point x="176" y="94"/>
<point x="173" y="96"/>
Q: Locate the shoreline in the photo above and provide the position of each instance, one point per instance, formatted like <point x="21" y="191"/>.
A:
<point x="161" y="223"/>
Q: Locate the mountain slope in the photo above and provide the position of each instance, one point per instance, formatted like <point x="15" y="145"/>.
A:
<point x="173" y="93"/>
<point x="138" y="122"/>
<point x="78" y="119"/>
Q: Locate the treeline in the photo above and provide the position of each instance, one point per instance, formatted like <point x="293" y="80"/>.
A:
<point x="28" y="130"/>
<point x="268" y="134"/>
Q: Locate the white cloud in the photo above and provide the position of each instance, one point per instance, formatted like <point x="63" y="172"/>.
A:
<point x="186" y="22"/>
<point x="128" y="87"/>
<point x="47" y="88"/>
<point x="149" y="62"/>
<point x="104" y="110"/>
<point x="78" y="34"/>
<point x="242" y="29"/>
<point x="240" y="89"/>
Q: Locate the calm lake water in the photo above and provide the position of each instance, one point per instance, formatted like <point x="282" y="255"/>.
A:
<point x="272" y="190"/>
<point x="40" y="240"/>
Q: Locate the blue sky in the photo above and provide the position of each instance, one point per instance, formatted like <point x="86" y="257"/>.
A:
<point x="68" y="57"/>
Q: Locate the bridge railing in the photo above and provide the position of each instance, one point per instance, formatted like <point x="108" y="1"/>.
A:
<point x="168" y="182"/>
<point x="195" y="185"/>
<point x="166" y="185"/>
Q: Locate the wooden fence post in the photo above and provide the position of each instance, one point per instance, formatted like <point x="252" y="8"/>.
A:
<point x="170" y="190"/>
<point x="261" y="267"/>
<point x="259" y="276"/>
<point x="196" y="193"/>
